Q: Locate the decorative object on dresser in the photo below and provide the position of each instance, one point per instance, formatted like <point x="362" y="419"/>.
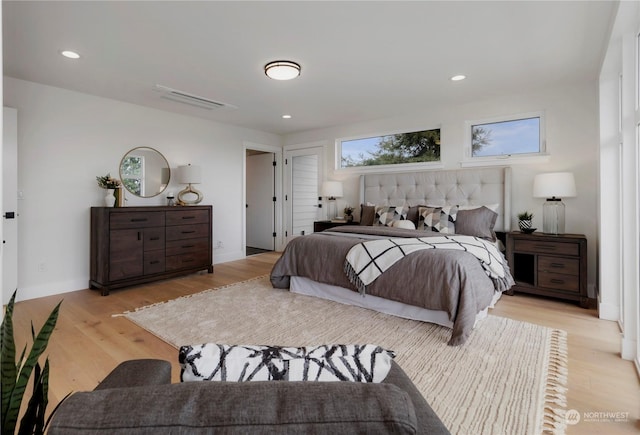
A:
<point x="348" y="213"/>
<point x="114" y="193"/>
<point x="525" y="220"/>
<point x="135" y="245"/>
<point x="189" y="175"/>
<point x="548" y="265"/>
<point x="332" y="190"/>
<point x="553" y="186"/>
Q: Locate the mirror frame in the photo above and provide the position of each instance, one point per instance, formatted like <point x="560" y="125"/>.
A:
<point x="122" y="177"/>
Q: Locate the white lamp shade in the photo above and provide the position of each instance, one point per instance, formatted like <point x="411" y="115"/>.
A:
<point x="332" y="189"/>
<point x="554" y="184"/>
<point x="189" y="174"/>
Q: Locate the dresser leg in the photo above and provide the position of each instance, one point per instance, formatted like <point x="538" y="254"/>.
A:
<point x="584" y="302"/>
<point x="210" y="269"/>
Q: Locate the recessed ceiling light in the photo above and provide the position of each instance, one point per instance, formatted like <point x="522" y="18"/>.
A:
<point x="286" y="116"/>
<point x="458" y="78"/>
<point x="70" y="54"/>
<point x="282" y="70"/>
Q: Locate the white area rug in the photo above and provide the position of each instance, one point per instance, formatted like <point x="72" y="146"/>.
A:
<point x="508" y="378"/>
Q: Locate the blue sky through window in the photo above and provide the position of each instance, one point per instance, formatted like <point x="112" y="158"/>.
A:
<point x="521" y="136"/>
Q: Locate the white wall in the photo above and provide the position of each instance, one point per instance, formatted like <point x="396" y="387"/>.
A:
<point x="571" y="115"/>
<point x="66" y="139"/>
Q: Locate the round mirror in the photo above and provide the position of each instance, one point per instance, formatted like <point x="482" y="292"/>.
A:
<point x="145" y="172"/>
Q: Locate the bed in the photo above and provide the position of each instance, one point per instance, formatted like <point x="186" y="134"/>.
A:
<point x="448" y="271"/>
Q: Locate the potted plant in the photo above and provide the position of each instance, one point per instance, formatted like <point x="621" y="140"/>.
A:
<point x="525" y="221"/>
<point x="348" y="211"/>
<point x="16" y="375"/>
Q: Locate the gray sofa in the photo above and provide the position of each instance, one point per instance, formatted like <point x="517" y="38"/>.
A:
<point x="137" y="397"/>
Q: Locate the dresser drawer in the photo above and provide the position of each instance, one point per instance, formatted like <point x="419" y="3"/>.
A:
<point x="191" y="260"/>
<point x="558" y="281"/>
<point x="154" y="262"/>
<point x="546" y="247"/>
<point x="186" y="216"/>
<point x="177" y="247"/>
<point x="136" y="220"/>
<point x="153" y="238"/>
<point x="181" y="232"/>
<point x="566" y="266"/>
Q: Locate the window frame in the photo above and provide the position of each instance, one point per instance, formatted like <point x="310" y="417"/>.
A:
<point x="541" y="156"/>
<point x="396" y="167"/>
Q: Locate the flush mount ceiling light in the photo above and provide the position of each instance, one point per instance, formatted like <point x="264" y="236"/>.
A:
<point x="282" y="70"/>
<point x="286" y="116"/>
<point x="458" y="78"/>
<point x="70" y="54"/>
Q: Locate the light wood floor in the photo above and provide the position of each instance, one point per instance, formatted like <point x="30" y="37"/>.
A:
<point x="89" y="342"/>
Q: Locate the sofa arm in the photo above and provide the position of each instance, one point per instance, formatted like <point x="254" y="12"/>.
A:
<point x="138" y="373"/>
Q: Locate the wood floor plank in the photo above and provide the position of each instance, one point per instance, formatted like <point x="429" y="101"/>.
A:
<point x="89" y="341"/>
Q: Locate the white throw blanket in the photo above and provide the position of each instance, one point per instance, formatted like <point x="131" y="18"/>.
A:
<point x="366" y="261"/>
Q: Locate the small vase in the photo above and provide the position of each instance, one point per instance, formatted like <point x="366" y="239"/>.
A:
<point x="119" y="195"/>
<point x="349" y="218"/>
<point x="109" y="198"/>
<point x="524" y="224"/>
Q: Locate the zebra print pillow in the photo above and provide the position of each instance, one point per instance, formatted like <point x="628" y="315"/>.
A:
<point x="221" y="362"/>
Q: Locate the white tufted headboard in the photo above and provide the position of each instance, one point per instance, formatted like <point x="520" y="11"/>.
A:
<point x="478" y="186"/>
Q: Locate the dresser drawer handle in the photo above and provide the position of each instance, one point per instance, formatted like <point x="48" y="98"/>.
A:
<point x="557" y="281"/>
<point x="154" y="238"/>
<point x="154" y="262"/>
<point x="188" y="217"/>
<point x="139" y="219"/>
<point x="188" y="232"/>
<point x="188" y="246"/>
<point x="546" y="247"/>
<point x="557" y="265"/>
<point x="188" y="260"/>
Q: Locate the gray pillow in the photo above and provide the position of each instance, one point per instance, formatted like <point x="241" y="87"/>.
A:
<point x="367" y="214"/>
<point x="478" y="222"/>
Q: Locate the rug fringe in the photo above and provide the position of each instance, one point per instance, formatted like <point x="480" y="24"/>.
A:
<point x="258" y="278"/>
<point x="555" y="400"/>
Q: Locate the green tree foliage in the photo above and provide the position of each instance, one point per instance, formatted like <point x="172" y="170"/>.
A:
<point x="480" y="137"/>
<point x="418" y="146"/>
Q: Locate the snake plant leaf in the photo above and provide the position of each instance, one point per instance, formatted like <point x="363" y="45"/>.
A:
<point x="33" y="420"/>
<point x="8" y="367"/>
<point x="17" y="393"/>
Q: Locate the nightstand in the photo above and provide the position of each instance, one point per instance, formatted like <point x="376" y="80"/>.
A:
<point x="549" y="265"/>
<point x="325" y="225"/>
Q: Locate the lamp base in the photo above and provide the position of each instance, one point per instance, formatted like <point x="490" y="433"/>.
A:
<point x="553" y="216"/>
<point x="189" y="191"/>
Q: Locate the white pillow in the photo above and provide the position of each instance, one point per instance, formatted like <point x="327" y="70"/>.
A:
<point x="406" y="224"/>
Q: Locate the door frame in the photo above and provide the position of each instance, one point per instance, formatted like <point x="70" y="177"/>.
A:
<point x="277" y="151"/>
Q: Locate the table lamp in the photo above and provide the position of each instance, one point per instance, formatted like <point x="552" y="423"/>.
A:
<point x="189" y="175"/>
<point x="553" y="186"/>
<point x="332" y="190"/>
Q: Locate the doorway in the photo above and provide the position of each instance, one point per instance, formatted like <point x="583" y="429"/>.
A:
<point x="260" y="201"/>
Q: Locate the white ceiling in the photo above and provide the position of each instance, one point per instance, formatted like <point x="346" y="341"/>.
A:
<point x="360" y="60"/>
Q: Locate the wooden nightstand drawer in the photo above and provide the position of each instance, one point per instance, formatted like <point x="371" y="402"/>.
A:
<point x="546" y="247"/>
<point x="558" y="281"/>
<point x="566" y="266"/>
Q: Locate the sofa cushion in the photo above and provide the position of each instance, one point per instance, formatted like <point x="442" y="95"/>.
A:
<point x="242" y="363"/>
<point x="247" y="408"/>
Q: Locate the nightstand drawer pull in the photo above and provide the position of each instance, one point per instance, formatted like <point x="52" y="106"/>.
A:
<point x="557" y="265"/>
<point x="139" y="220"/>
<point x="546" y="247"/>
<point x="557" y="281"/>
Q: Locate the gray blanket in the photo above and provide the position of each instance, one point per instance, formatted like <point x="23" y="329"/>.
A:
<point x="443" y="280"/>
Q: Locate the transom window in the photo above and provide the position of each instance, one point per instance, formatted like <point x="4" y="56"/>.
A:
<point x="506" y="137"/>
<point x="393" y="149"/>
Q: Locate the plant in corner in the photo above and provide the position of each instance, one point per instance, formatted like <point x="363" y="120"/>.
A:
<point x="525" y="221"/>
<point x="15" y="376"/>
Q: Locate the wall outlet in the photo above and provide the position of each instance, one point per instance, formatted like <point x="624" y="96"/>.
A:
<point x="219" y="244"/>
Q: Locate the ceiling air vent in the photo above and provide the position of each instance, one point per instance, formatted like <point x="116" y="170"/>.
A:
<point x="190" y="99"/>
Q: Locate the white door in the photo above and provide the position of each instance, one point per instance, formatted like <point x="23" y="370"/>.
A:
<point x="260" y="204"/>
<point x="302" y="198"/>
<point x="9" y="203"/>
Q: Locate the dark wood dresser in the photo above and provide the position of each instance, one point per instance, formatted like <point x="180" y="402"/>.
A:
<point x="549" y="265"/>
<point x="135" y="245"/>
